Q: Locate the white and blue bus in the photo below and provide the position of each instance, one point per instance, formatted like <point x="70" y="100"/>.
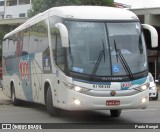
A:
<point x="79" y="58"/>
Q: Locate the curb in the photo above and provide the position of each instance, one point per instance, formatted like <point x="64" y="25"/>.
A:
<point x="4" y="100"/>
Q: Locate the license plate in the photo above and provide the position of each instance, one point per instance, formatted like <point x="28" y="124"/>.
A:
<point x="112" y="102"/>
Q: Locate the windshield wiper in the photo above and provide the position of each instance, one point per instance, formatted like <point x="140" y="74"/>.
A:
<point x="123" y="61"/>
<point x="116" y="50"/>
<point x="104" y="50"/>
<point x="101" y="53"/>
<point x="124" y="64"/>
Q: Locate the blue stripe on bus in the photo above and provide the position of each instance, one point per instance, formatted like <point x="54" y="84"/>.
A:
<point x="127" y="85"/>
<point x="139" y="81"/>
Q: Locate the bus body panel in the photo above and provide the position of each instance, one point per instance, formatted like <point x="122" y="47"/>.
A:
<point x="30" y="72"/>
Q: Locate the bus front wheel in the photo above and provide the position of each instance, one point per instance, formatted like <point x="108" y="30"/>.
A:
<point x="15" y="101"/>
<point x="115" y="113"/>
<point x="53" y="111"/>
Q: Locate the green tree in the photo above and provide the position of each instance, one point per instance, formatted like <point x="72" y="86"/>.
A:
<point x="41" y="5"/>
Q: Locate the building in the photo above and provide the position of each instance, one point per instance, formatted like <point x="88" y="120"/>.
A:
<point x="13" y="13"/>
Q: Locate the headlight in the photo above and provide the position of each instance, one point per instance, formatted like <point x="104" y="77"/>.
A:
<point x="75" y="88"/>
<point x="142" y="87"/>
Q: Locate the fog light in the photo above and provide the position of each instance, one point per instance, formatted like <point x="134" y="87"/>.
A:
<point x="144" y="100"/>
<point x="77" y="102"/>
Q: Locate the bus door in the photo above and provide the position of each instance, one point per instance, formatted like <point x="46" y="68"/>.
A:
<point x="61" y="92"/>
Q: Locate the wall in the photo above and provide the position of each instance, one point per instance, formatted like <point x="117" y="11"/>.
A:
<point x="14" y="11"/>
<point x="152" y="19"/>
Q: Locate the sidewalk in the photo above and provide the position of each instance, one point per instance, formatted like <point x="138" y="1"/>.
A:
<point x="4" y="100"/>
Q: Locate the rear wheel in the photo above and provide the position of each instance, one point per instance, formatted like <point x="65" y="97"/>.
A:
<point x="115" y="113"/>
<point x="15" y="101"/>
<point x="53" y="111"/>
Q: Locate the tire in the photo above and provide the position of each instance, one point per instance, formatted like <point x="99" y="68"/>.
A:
<point x="52" y="111"/>
<point x="115" y="113"/>
<point x="15" y="101"/>
<point x="155" y="98"/>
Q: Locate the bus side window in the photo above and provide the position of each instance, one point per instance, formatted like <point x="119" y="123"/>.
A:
<point x="12" y="47"/>
<point x="5" y="48"/>
<point x="21" y="45"/>
<point x="38" y="37"/>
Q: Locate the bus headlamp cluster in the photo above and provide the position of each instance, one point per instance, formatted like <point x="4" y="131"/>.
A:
<point x="75" y="88"/>
<point x="142" y="87"/>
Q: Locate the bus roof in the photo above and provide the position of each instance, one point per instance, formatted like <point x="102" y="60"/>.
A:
<point x="79" y="12"/>
<point x="93" y="12"/>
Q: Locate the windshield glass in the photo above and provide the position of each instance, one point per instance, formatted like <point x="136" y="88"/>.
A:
<point x="127" y="39"/>
<point x="94" y="45"/>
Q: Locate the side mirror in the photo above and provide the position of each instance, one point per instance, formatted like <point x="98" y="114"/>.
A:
<point x="64" y="34"/>
<point x="156" y="81"/>
<point x="151" y="35"/>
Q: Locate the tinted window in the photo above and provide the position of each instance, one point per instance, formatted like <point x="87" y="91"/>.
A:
<point x="38" y="37"/>
<point x="12" y="46"/>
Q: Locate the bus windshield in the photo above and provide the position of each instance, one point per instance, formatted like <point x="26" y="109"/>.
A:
<point x="106" y="49"/>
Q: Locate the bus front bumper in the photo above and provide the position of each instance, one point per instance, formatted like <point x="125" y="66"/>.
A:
<point x="79" y="101"/>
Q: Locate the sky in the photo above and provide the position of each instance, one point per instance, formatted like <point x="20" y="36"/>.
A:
<point x="140" y="3"/>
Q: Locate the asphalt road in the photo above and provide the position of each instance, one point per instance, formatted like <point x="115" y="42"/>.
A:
<point x="35" y="113"/>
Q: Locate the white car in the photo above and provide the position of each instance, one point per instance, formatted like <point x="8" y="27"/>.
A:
<point x="153" y="91"/>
